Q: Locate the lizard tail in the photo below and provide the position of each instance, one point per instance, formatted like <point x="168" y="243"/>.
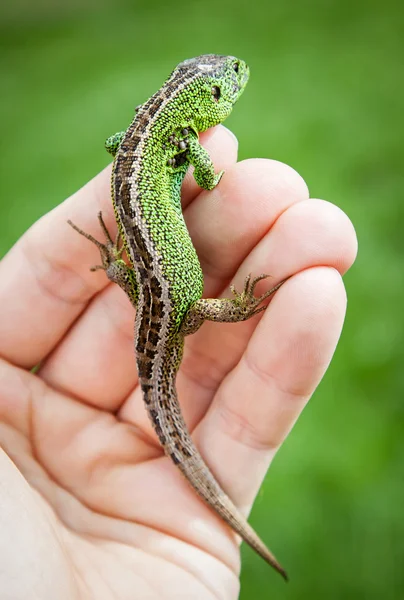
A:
<point x="165" y="414"/>
<point x="201" y="478"/>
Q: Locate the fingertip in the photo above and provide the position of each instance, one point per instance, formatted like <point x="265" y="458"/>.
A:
<point x="276" y="180"/>
<point x="232" y="138"/>
<point x="327" y="232"/>
<point x="349" y="240"/>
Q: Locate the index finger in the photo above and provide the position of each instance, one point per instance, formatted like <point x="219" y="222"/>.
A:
<point x="45" y="282"/>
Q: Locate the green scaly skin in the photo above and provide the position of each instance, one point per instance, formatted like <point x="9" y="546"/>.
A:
<point x="164" y="280"/>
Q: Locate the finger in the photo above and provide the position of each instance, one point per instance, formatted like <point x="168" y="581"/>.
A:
<point x="226" y="223"/>
<point x="310" y="233"/>
<point x="260" y="400"/>
<point x="267" y="188"/>
<point x="216" y="348"/>
<point x="95" y="361"/>
<point x="45" y="282"/>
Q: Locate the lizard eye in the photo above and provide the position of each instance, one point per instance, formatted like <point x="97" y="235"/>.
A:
<point x="216" y="93"/>
<point x="236" y="67"/>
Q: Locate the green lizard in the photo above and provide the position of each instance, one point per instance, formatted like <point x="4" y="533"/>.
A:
<point x="164" y="280"/>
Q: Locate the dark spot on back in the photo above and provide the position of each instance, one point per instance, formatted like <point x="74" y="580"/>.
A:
<point x="155" y="287"/>
<point x="150" y="353"/>
<point x="155" y="327"/>
<point x="145" y="367"/>
<point x="174" y="458"/>
<point x="146" y="387"/>
<point x="152" y="337"/>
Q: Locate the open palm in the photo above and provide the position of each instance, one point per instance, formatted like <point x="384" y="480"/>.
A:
<point x="90" y="507"/>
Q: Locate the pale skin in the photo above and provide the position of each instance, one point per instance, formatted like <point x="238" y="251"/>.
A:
<point x="90" y="507"/>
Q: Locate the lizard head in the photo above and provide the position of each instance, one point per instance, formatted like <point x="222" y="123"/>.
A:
<point x="212" y="85"/>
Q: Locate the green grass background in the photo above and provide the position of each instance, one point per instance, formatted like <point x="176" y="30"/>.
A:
<point x="325" y="96"/>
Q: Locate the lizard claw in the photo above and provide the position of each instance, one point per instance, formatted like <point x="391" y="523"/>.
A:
<point x="246" y="300"/>
<point x="110" y="251"/>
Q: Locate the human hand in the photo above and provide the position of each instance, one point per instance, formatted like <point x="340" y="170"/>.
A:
<point x="90" y="507"/>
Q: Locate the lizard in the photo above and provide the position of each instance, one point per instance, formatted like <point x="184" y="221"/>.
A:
<point x="164" y="279"/>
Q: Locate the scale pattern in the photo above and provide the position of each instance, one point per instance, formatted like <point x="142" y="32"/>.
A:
<point x="164" y="280"/>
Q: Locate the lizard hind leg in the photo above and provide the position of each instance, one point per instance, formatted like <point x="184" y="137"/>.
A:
<point x="114" y="266"/>
<point x="243" y="306"/>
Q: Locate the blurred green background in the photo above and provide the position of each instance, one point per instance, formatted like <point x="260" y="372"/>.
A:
<point x="325" y="96"/>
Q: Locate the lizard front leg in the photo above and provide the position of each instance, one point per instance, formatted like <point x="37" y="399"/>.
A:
<point x="113" y="142"/>
<point x="243" y="306"/>
<point x="204" y="173"/>
<point x="114" y="266"/>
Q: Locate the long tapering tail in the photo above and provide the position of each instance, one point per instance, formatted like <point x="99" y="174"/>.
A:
<point x="165" y="413"/>
<point x="202" y="480"/>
